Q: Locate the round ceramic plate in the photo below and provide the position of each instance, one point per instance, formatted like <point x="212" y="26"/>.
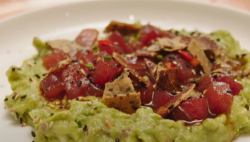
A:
<point x="66" y="21"/>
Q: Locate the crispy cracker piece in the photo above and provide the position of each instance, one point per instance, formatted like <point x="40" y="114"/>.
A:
<point x="145" y="53"/>
<point x="171" y="44"/>
<point x="123" y="28"/>
<point x="168" y="107"/>
<point x="124" y="63"/>
<point x="65" y="45"/>
<point x="154" y="48"/>
<point x="120" y="94"/>
<point x="152" y="67"/>
<point x="167" y="44"/>
<point x="195" y="50"/>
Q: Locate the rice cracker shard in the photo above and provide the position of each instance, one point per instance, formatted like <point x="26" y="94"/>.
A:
<point x="120" y="94"/>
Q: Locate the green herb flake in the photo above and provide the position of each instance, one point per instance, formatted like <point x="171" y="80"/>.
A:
<point x="159" y="56"/>
<point x="107" y="57"/>
<point x="123" y="55"/>
<point x="238" y="78"/>
<point x="190" y="129"/>
<point x="79" y="123"/>
<point x="95" y="48"/>
<point x="89" y="65"/>
<point x="126" y="38"/>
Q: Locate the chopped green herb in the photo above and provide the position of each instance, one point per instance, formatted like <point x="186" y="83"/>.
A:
<point x="89" y="65"/>
<point x="126" y="38"/>
<point x="160" y="66"/>
<point x="239" y="79"/>
<point x="40" y="47"/>
<point x="123" y="55"/>
<point x="79" y="123"/>
<point x="190" y="129"/>
<point x="95" y="48"/>
<point x="107" y="57"/>
<point x="159" y="56"/>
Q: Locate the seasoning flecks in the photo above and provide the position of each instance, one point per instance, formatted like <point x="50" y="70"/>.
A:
<point x="85" y="128"/>
<point x="82" y="71"/>
<point x="247" y="107"/>
<point x="33" y="134"/>
<point x="21" y="120"/>
<point x="187" y="65"/>
<point x="13" y="69"/>
<point x="99" y="87"/>
<point x="6" y="99"/>
<point x="23" y="124"/>
<point x="79" y="83"/>
<point x="117" y="139"/>
<point x="229" y="91"/>
<point x="23" y="96"/>
<point x="128" y="89"/>
<point x="171" y="57"/>
<point x="30" y="80"/>
<point x="17" y="115"/>
<point x="91" y="80"/>
<point x="38" y="76"/>
<point x="51" y="124"/>
<point x="14" y="96"/>
<point x="173" y="92"/>
<point x="89" y="74"/>
<point x="74" y="60"/>
<point x="134" y="107"/>
<point x="117" y="64"/>
<point x="36" y="120"/>
<point x="171" y="107"/>
<point x="89" y="103"/>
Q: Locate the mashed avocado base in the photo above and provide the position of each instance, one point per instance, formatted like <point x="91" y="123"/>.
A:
<point x="91" y="121"/>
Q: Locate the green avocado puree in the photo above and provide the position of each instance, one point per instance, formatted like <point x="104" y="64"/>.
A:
<point x="92" y="121"/>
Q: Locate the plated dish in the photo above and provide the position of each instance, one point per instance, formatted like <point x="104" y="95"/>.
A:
<point x="93" y="27"/>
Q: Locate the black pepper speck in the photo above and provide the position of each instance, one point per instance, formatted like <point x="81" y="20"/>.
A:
<point x="17" y="115"/>
<point x="23" y="96"/>
<point x="92" y="80"/>
<point x="135" y="107"/>
<point x="37" y="76"/>
<point x="171" y="107"/>
<point x="79" y="83"/>
<point x="85" y="128"/>
<point x="33" y="134"/>
<point x="89" y="74"/>
<point x="117" y="139"/>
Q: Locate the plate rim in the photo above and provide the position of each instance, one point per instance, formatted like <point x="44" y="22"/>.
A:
<point x="209" y="4"/>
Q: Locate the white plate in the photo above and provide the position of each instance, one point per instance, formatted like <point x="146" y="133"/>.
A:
<point x="67" y="20"/>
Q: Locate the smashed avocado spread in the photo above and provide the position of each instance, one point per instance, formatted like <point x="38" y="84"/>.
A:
<point x="138" y="84"/>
